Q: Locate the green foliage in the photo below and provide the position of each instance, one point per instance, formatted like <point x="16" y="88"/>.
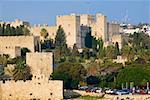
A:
<point x="70" y="73"/>
<point x="21" y="71"/>
<point x="1" y="70"/>
<point x="111" y="52"/>
<point x="88" y="40"/>
<point x="75" y="51"/>
<point x="7" y="30"/>
<point x="87" y="97"/>
<point x="117" y="51"/>
<point x="86" y="53"/>
<point x="24" y="51"/>
<point x="128" y="52"/>
<point x="93" y="69"/>
<point x="61" y="50"/>
<point x="141" y="40"/>
<point x="136" y="73"/>
<point x="47" y="44"/>
<point x="61" y="53"/>
<point x="26" y="31"/>
<point x="19" y="30"/>
<point x="101" y="49"/>
<point x="15" y="60"/>
<point x="60" y="39"/>
<point x="4" y="59"/>
<point x="44" y="33"/>
<point x="92" y="80"/>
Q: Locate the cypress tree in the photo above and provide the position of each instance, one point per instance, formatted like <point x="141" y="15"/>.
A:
<point x="60" y="39"/>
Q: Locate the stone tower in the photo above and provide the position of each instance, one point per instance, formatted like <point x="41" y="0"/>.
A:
<point x="71" y="26"/>
<point x="40" y="61"/>
<point x="99" y="28"/>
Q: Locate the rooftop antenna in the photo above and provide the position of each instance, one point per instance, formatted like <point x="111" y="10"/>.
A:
<point x="126" y="19"/>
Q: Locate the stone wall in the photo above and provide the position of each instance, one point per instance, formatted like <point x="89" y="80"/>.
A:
<point x="30" y="42"/>
<point x="126" y="97"/>
<point x="42" y="61"/>
<point x="87" y="19"/>
<point x="113" y="29"/>
<point x="117" y="38"/>
<point x="38" y="88"/>
<point x="35" y="30"/>
<point x="99" y="28"/>
<point x="12" y="51"/>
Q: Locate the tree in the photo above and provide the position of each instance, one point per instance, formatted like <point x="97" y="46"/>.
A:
<point x="134" y="73"/>
<point x="128" y="52"/>
<point x="61" y="50"/>
<point x="13" y="31"/>
<point x="93" y="69"/>
<point x="70" y="73"/>
<point x="144" y="54"/>
<point x="88" y="40"/>
<point x="22" y="71"/>
<point x="110" y="52"/>
<point x="26" y="31"/>
<point x="75" y="51"/>
<point x="101" y="48"/>
<point x="24" y="51"/>
<point x="44" y="33"/>
<point x="1" y="70"/>
<point x="86" y="53"/>
<point x="47" y="44"/>
<point x="7" y="31"/>
<point x="94" y="43"/>
<point x="19" y="30"/>
<point x="140" y="40"/>
<point x="60" y="39"/>
<point x="1" y="30"/>
<point x="92" y="80"/>
<point x="117" y="48"/>
<point x="3" y="59"/>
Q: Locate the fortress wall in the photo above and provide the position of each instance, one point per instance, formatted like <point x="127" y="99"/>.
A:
<point x="99" y="28"/>
<point x="113" y="29"/>
<point x="12" y="51"/>
<point x="117" y="38"/>
<point x="86" y="19"/>
<point x="40" y="61"/>
<point x="30" y="42"/>
<point x="35" y="30"/>
<point x="20" y="90"/>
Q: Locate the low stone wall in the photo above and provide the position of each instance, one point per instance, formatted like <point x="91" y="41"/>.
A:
<point x="127" y="97"/>
<point x="77" y="93"/>
<point x="84" y="93"/>
<point x="39" y="88"/>
<point x="74" y="93"/>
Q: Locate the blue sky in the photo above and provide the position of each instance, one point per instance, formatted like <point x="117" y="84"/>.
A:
<point x="45" y="11"/>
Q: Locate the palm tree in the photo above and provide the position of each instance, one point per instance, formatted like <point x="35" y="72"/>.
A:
<point x="110" y="52"/>
<point x="128" y="52"/>
<point x="4" y="59"/>
<point x="44" y="33"/>
<point x="21" y="71"/>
